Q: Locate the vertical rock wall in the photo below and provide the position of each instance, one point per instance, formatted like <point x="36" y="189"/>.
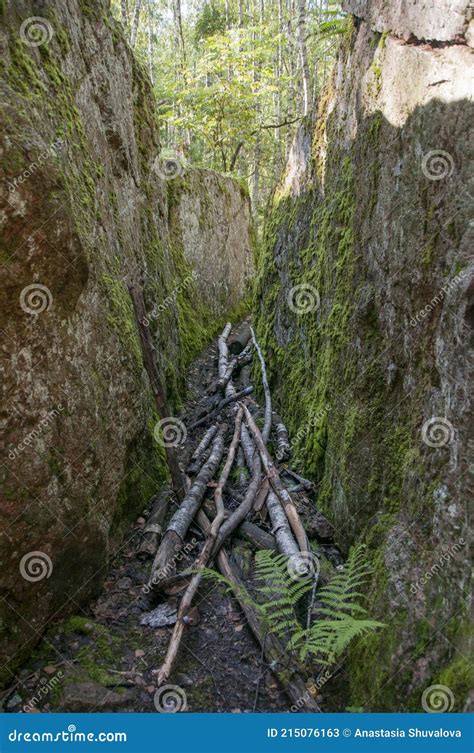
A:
<point x="364" y="305"/>
<point x="84" y="213"/>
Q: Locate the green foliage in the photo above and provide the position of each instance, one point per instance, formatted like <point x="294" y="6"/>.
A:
<point x="341" y="618"/>
<point x="345" y="617"/>
<point x="279" y="591"/>
<point x="225" y="75"/>
<point x="210" y="21"/>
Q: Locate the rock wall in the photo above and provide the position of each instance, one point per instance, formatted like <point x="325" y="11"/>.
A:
<point x="209" y="219"/>
<point x="364" y="303"/>
<point x="84" y="213"/>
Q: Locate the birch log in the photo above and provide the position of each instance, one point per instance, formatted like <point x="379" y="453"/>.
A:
<point x="273" y="649"/>
<point x="275" y="481"/>
<point x="172" y="542"/>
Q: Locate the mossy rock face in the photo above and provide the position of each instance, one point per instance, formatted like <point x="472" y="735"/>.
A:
<point x="86" y="215"/>
<point x="361" y="300"/>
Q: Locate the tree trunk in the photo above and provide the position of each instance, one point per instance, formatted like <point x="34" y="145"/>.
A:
<point x="202" y="560"/>
<point x="273" y="649"/>
<point x="157" y="386"/>
<point x="150" y="50"/>
<point x="154" y="525"/>
<point x="163" y="564"/>
<point x="301" y="28"/>
<point x="135" y="23"/>
<point x="124" y="10"/>
<point x="279" y="489"/>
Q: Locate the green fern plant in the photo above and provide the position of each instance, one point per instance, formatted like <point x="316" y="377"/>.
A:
<point x="343" y="618"/>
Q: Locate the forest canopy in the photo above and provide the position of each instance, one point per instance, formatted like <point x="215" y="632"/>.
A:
<point x="233" y="78"/>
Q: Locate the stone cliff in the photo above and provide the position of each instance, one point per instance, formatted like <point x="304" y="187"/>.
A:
<point x="88" y="207"/>
<point x="364" y="307"/>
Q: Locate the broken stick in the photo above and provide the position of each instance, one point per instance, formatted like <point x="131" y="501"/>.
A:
<point x="274" y="650"/>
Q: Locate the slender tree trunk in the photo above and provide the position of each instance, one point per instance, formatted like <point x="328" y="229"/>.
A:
<point x="135" y="23"/>
<point x="290" y="105"/>
<point x="257" y="153"/>
<point x="301" y="27"/>
<point x="278" y="94"/>
<point x="150" y="43"/>
<point x="124" y="10"/>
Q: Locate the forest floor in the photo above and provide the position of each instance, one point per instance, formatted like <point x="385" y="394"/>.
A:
<point x="103" y="659"/>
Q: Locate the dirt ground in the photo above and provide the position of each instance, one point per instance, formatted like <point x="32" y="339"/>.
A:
<point x="103" y="659"/>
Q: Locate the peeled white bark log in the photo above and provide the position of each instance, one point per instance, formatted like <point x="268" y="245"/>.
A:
<point x="282" y="441"/>
<point x="202" y="560"/>
<point x="279" y="489"/>
<point x="281" y="528"/>
<point x="268" y="397"/>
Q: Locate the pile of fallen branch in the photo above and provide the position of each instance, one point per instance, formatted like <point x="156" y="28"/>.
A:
<point x="258" y="507"/>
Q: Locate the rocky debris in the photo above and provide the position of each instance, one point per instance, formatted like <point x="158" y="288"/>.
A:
<point x="162" y="615"/>
<point x="91" y="697"/>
